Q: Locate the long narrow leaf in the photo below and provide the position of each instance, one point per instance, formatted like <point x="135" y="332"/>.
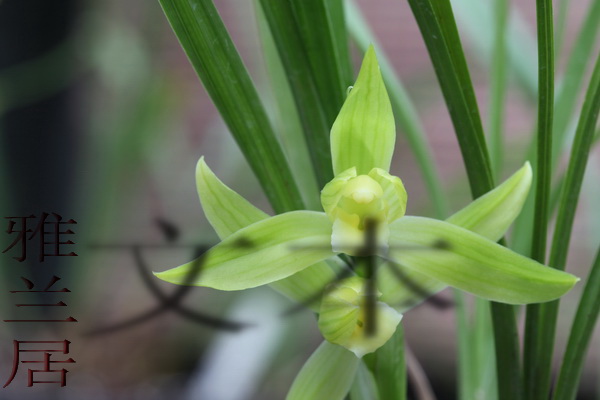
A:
<point x="499" y="75"/>
<point x="477" y="20"/>
<point x="287" y="120"/>
<point x="536" y="379"/>
<point x="207" y="44"/>
<point x="579" y="339"/>
<point x="436" y="21"/>
<point x="448" y="59"/>
<point x="578" y="61"/>
<point x="316" y="118"/>
<point x="566" y="215"/>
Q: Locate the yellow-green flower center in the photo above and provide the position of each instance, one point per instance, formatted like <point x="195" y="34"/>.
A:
<point x="351" y="200"/>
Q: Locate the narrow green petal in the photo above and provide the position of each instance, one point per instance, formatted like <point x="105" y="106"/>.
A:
<point x="228" y="212"/>
<point x="490" y="216"/>
<point x="261" y="253"/>
<point x="364" y="133"/>
<point x="327" y="375"/>
<point x="475" y="264"/>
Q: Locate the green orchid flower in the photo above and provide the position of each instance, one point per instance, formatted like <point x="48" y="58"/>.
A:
<point x="293" y="252"/>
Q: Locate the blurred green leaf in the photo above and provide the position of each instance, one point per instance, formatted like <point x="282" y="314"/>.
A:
<point x="287" y="120"/>
<point x="580" y="336"/>
<point x="536" y="358"/>
<point x="498" y="86"/>
<point x="568" y="91"/>
<point x="543" y="335"/>
<point x="478" y="18"/>
<point x="313" y="61"/>
<point x="438" y="28"/>
<point x="207" y="44"/>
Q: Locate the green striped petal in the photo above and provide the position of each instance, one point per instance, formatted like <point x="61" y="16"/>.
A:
<point x="228" y="212"/>
<point x="490" y="216"/>
<point x="364" y="133"/>
<point x="326" y="375"/>
<point x="261" y="253"/>
<point x="394" y="194"/>
<point x="474" y="264"/>
<point x="342" y="318"/>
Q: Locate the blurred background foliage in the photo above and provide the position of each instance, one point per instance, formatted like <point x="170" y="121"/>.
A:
<point x="103" y="120"/>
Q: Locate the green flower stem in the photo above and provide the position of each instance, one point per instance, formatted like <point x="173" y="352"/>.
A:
<point x="404" y="110"/>
<point x="450" y="66"/>
<point x="579" y="339"/>
<point x="536" y="380"/>
<point x="207" y="44"/>
<point x="566" y="215"/>
<point x="499" y="75"/>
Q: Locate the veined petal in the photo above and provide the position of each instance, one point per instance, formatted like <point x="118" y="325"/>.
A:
<point x="394" y="193"/>
<point x="261" y="253"/>
<point x="342" y="318"/>
<point x="490" y="216"/>
<point x="364" y="133"/>
<point x="327" y="375"/>
<point x="475" y="264"/>
<point x="334" y="190"/>
<point x="228" y="212"/>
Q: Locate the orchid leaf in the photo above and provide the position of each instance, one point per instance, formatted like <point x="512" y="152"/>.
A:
<point x="489" y="216"/>
<point x="364" y="133"/>
<point x="264" y="252"/>
<point x="474" y="264"/>
<point x="229" y="212"/>
<point x="328" y="374"/>
<point x="213" y="55"/>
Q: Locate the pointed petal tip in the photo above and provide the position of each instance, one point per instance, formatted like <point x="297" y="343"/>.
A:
<point x="526" y="168"/>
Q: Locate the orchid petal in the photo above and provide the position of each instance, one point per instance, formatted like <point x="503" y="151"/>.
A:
<point x="364" y="133"/>
<point x="327" y="374"/>
<point x="490" y="216"/>
<point x="474" y="264"/>
<point x="228" y="212"/>
<point x="342" y="318"/>
<point x="261" y="253"/>
<point x="394" y="193"/>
